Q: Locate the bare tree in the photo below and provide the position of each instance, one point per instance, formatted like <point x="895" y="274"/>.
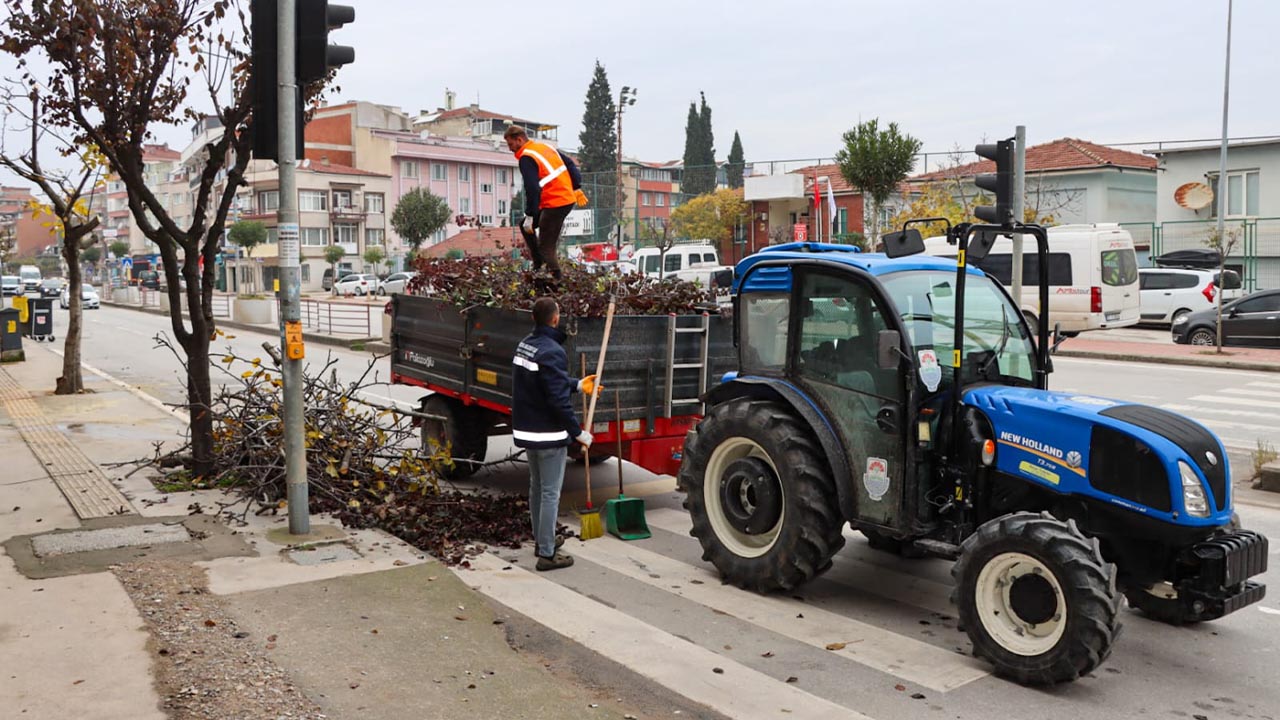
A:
<point x="69" y="205"/>
<point x="1225" y="243"/>
<point x="111" y="70"/>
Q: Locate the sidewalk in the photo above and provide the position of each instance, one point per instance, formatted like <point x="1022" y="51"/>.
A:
<point x="1238" y="358"/>
<point x="144" y="605"/>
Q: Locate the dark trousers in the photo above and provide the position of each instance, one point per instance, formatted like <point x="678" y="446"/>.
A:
<point x="542" y="247"/>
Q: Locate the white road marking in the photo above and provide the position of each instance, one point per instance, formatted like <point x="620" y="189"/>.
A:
<point x="1163" y="367"/>
<point x="404" y="404"/>
<point x="1220" y="400"/>
<point x="1267" y="610"/>
<point x="889" y="652"/>
<point x="738" y="692"/>
<point x="1233" y="412"/>
<point x="1251" y="391"/>
<point x="1272" y="385"/>
<point x="868" y="576"/>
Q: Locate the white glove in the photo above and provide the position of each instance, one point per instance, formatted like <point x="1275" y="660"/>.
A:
<point x="527" y="225"/>
<point x="585" y="438"/>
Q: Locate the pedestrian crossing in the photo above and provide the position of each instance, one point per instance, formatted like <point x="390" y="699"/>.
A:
<point x="1241" y="416"/>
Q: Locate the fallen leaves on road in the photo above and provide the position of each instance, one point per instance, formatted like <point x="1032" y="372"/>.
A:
<point x="837" y="646"/>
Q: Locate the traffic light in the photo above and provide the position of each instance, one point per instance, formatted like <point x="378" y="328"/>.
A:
<point x="316" y="57"/>
<point x="999" y="183"/>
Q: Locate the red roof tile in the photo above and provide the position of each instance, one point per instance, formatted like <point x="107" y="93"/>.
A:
<point x="1063" y="154"/>
<point x="839" y="186"/>
<point x="335" y="169"/>
<point x="478" y="241"/>
<point x="159" y="152"/>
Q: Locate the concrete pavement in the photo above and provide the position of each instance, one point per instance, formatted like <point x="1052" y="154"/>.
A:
<point x="379" y="631"/>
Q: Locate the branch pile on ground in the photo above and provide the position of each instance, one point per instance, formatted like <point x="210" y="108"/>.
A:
<point x="365" y="462"/>
<point x="505" y="282"/>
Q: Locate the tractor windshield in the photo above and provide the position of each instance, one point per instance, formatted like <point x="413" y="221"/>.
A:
<point x="996" y="343"/>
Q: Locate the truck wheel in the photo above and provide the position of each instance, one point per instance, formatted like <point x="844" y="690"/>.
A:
<point x="761" y="496"/>
<point x="463" y="432"/>
<point x="1036" y="598"/>
<point x="1159" y="608"/>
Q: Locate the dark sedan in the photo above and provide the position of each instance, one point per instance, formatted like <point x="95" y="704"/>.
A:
<point x="1253" y="320"/>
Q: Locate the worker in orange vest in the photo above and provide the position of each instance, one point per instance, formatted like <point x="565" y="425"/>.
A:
<point x="552" y="186"/>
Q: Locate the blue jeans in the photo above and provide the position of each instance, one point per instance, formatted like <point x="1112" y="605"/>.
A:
<point x="546" y="477"/>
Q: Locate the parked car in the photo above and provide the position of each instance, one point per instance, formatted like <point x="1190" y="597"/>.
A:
<point x="89" y="299"/>
<point x="1253" y="320"/>
<point x="1168" y="293"/>
<point x="396" y="283"/>
<point x="149" y="279"/>
<point x="12" y="285"/>
<point x="51" y="287"/>
<point x="356" y="284"/>
<point x="326" y="281"/>
<point x="31" y="278"/>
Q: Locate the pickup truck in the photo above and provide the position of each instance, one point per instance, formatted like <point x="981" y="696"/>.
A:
<point x="660" y="365"/>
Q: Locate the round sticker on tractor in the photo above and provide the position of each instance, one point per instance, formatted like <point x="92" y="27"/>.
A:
<point x="876" y="478"/>
<point x="930" y="370"/>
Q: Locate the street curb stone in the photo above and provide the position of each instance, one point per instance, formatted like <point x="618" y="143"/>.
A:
<point x="317" y="338"/>
<point x="1223" y="363"/>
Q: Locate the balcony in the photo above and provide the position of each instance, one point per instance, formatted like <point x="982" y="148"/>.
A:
<point x="346" y="213"/>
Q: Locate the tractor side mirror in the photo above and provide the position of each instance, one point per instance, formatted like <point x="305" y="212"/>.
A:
<point x="903" y="243"/>
<point x="888" y="349"/>
<point x="979" y="246"/>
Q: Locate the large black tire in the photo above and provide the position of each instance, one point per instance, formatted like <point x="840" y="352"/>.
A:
<point x="761" y="496"/>
<point x="1036" y="598"/>
<point x="463" y="432"/>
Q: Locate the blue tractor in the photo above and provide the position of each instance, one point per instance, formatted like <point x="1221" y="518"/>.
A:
<point x="908" y="397"/>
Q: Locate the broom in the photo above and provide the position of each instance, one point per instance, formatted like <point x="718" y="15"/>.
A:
<point x="589" y="518"/>
<point x="624" y="516"/>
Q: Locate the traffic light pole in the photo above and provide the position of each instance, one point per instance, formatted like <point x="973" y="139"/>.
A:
<point x="295" y="452"/>
<point x="1019" y="191"/>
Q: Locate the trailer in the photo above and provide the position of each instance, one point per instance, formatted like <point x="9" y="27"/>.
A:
<point x="661" y="365"/>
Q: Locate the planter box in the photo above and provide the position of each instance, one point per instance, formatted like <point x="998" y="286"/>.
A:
<point x="165" y="305"/>
<point x="252" y="311"/>
<point x="386" y="328"/>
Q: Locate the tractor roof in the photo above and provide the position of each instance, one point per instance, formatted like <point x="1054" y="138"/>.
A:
<point x="871" y="263"/>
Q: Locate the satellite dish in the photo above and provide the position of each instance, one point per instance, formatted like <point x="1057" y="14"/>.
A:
<point x="1193" y="195"/>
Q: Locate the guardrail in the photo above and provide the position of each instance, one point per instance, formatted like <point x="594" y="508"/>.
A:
<point x="221" y="306"/>
<point x="339" y="318"/>
<point x="150" y="298"/>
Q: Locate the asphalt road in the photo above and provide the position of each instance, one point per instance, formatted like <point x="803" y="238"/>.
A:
<point x="655" y="606"/>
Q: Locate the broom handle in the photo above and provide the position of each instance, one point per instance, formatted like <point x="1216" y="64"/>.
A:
<point x="586" y="451"/>
<point x="617" y="412"/>
<point x="604" y="348"/>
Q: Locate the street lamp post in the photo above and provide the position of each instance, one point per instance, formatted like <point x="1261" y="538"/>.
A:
<point x="625" y="98"/>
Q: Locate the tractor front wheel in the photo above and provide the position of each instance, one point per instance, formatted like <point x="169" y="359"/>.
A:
<point x="1036" y="598"/>
<point x="761" y="496"/>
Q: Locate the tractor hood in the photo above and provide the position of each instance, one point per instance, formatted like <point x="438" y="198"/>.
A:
<point x="1116" y="452"/>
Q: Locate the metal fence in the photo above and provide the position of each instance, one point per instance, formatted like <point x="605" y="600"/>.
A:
<point x="341" y="318"/>
<point x="220" y="306"/>
<point x="1256" y="253"/>
<point x="148" y="297"/>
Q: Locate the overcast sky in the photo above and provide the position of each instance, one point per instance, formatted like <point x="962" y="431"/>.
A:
<point x="792" y="75"/>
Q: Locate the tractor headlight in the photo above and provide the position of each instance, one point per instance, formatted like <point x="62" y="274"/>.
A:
<point x="1193" y="497"/>
<point x="988" y="452"/>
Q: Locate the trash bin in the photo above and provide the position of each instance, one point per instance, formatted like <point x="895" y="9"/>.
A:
<point x="10" y="336"/>
<point x="39" y="325"/>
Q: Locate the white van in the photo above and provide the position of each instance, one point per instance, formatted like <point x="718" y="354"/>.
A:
<point x="31" y="278"/>
<point x="680" y="257"/>
<point x="1093" y="275"/>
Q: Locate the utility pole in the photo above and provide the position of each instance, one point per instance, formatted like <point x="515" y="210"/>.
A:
<point x="1222" y="180"/>
<point x="1019" y="192"/>
<point x="295" y="451"/>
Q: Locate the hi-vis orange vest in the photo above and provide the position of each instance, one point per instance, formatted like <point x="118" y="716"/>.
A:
<point x="553" y="176"/>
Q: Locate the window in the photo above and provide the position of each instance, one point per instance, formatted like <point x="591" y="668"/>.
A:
<point x="486" y="188"/>
<point x="374" y="236"/>
<point x="268" y="201"/>
<point x="437" y="236"/>
<point x="314" y="236"/>
<point x="1242" y="194"/>
<point x="342" y="199"/>
<point x="486" y="219"/>
<point x="374" y="202"/>
<point x="313" y="200"/>
<point x="439" y="171"/>
<point x="839" y="330"/>
<point x="344" y="234"/>
<point x="502" y="176"/>
<point x="1119" y="267"/>
<point x="502" y="207"/>
<point x="306" y="272"/>
<point x="673" y="262"/>
<point x="464" y="173"/>
<point x="764" y="331"/>
<point x="644" y="199"/>
<point x="660" y="199"/>
<point x="1000" y="266"/>
<point x="464" y="205"/>
<point x="408" y="168"/>
<point x="1264" y="304"/>
<point x="1230" y="280"/>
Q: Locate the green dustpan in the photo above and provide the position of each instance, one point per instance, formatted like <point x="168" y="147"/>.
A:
<point x="624" y="518"/>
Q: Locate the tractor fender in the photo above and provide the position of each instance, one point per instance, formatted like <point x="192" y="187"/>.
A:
<point x="764" y="388"/>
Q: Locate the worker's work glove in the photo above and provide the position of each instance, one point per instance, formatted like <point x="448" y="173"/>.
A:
<point x="580" y="197"/>
<point x="587" y="385"/>
<point x="584" y="438"/>
<point x="527" y="225"/>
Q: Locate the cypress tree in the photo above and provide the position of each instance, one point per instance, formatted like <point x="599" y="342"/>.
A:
<point x="692" y="144"/>
<point x="598" y="150"/>
<point x="737" y="162"/>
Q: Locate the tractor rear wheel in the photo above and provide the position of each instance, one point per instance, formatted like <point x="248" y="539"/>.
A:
<point x="462" y="431"/>
<point x="761" y="496"/>
<point x="1036" y="598"/>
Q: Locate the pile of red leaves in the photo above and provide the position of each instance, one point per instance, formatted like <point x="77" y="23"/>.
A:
<point x="505" y="282"/>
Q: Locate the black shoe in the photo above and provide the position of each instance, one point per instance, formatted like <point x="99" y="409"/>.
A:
<point x="555" y="562"/>
<point x="559" y="541"/>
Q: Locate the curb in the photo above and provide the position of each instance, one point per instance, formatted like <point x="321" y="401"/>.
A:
<point x="317" y="338"/>
<point x="1171" y="360"/>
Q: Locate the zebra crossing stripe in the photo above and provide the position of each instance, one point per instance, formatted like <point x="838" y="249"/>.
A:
<point x="1251" y="391"/>
<point x="1232" y="412"/>
<point x="675" y="663"/>
<point x="1219" y="400"/>
<point x="874" y="647"/>
<point x="850" y="570"/>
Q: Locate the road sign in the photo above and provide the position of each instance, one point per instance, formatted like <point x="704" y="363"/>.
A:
<point x="800" y="232"/>
<point x="126" y="263"/>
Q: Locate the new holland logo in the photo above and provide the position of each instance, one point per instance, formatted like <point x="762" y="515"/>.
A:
<point x="1073" y="459"/>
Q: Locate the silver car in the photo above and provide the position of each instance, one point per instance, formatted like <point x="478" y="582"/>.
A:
<point x="89" y="299"/>
<point x="396" y="283"/>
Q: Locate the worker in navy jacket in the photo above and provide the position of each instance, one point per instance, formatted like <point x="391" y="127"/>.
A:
<point x="544" y="424"/>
